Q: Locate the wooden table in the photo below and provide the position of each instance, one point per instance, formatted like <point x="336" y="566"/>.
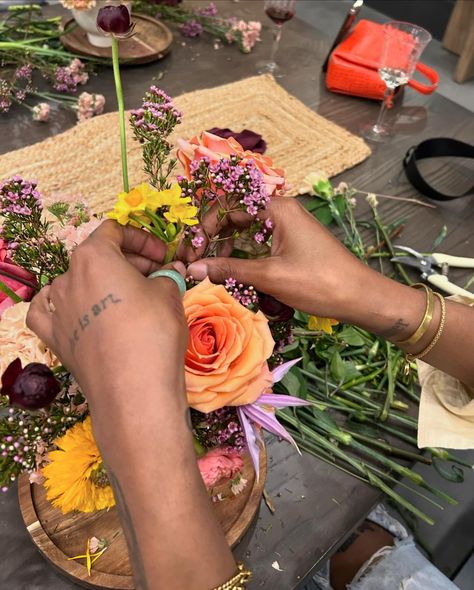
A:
<point x="316" y="505"/>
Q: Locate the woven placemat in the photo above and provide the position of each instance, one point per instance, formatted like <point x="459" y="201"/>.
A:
<point x="85" y="161"/>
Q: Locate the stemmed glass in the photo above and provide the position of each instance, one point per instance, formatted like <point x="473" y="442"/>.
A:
<point x="279" y="11"/>
<point x="403" y="45"/>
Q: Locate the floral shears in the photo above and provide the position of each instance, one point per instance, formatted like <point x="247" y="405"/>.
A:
<point x="425" y="263"/>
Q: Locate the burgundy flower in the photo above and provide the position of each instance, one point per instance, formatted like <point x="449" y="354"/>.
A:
<point x="248" y="139"/>
<point x="275" y="310"/>
<point x="115" y="20"/>
<point x="31" y="388"/>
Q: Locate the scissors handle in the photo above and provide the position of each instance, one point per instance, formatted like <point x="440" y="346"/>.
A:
<point x="456" y="261"/>
<point x="442" y="282"/>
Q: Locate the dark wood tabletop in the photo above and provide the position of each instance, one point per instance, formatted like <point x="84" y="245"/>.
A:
<point x="316" y="505"/>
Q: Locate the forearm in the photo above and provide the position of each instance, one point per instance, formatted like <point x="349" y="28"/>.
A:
<point x="394" y="311"/>
<point x="174" y="538"/>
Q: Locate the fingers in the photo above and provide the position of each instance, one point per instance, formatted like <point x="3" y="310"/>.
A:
<point x="249" y="272"/>
<point x="39" y="318"/>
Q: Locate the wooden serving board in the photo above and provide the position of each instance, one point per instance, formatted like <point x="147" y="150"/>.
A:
<point x="150" y="42"/>
<point x="59" y="536"/>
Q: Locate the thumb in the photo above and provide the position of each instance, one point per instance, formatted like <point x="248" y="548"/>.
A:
<point x="249" y="272"/>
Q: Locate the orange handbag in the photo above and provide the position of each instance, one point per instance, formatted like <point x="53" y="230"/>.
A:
<point x="353" y="65"/>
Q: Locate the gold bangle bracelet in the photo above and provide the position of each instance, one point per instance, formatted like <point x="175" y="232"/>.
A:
<point x="239" y="581"/>
<point x="427" y="317"/>
<point x="437" y="336"/>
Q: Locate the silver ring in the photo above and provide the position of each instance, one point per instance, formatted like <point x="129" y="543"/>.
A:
<point x="173" y="275"/>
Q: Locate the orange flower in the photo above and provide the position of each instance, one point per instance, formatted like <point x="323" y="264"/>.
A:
<point x="215" y="148"/>
<point x="228" y="348"/>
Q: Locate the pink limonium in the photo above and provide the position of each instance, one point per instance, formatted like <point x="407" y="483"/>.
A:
<point x="41" y="112"/>
<point x="261" y="414"/>
<point x="89" y="105"/>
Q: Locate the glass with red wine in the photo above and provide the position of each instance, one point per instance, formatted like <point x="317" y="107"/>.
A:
<point x="279" y="11"/>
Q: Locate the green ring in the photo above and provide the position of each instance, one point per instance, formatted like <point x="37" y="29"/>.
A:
<point x="173" y="275"/>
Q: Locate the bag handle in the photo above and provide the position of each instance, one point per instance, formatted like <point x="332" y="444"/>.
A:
<point x="434" y="148"/>
<point x="428" y="73"/>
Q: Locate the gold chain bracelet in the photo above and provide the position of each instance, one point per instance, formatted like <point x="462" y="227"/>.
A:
<point x="239" y="581"/>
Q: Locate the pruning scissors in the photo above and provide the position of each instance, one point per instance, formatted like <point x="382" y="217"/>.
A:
<point x="425" y="265"/>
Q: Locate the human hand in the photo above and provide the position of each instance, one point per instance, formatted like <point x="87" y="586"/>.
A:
<point x="110" y="324"/>
<point x="308" y="269"/>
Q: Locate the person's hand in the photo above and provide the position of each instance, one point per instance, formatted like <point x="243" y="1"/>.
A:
<point x="111" y="326"/>
<point x="308" y="269"/>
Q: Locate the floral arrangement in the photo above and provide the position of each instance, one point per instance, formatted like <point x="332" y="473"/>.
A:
<point x="194" y="22"/>
<point x="30" y="51"/>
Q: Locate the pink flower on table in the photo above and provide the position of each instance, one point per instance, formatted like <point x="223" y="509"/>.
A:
<point x="89" y="105"/>
<point x="72" y="236"/>
<point x="208" y="145"/>
<point x="41" y="112"/>
<point x="218" y="464"/>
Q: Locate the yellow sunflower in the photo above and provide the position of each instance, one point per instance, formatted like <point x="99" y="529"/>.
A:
<point x="75" y="477"/>
<point x="323" y="324"/>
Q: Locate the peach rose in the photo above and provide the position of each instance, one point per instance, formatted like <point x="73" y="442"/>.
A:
<point x="228" y="348"/>
<point x="215" y="148"/>
<point x="18" y="341"/>
<point x="219" y="464"/>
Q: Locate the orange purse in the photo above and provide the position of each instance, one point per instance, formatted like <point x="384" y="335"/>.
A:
<point x="353" y="65"/>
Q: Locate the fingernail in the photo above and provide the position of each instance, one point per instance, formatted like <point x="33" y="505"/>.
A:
<point x="198" y="270"/>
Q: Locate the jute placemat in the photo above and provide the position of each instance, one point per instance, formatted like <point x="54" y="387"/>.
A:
<point x="85" y="160"/>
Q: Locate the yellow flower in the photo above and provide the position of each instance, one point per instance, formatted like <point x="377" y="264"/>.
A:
<point x="139" y="199"/>
<point x="182" y="212"/>
<point x="75" y="477"/>
<point x="323" y="324"/>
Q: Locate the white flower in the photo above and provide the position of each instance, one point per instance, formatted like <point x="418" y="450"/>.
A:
<point x="237" y="485"/>
<point x="310" y="180"/>
<point x="371" y="198"/>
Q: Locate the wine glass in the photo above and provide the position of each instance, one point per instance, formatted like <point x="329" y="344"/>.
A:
<point x="279" y="11"/>
<point x="403" y="45"/>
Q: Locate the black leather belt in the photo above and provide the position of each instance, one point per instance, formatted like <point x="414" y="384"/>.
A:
<point x="434" y="148"/>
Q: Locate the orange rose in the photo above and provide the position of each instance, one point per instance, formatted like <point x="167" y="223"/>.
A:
<point x="228" y="348"/>
<point x="215" y="148"/>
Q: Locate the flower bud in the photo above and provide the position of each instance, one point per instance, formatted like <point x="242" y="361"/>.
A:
<point x="115" y="20"/>
<point x="275" y="310"/>
<point x="31" y="388"/>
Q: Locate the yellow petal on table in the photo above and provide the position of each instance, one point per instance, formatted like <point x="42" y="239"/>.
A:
<point x="323" y="324"/>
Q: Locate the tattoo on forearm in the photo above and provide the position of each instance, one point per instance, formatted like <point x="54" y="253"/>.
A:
<point x="139" y="574"/>
<point x="85" y="321"/>
<point x="397" y="327"/>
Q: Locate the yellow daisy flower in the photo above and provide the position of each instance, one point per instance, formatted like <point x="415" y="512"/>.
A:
<point x="182" y="212"/>
<point x="323" y="324"/>
<point x="139" y="199"/>
<point x="75" y="477"/>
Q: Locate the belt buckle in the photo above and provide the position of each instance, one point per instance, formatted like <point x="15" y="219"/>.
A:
<point x="409" y="155"/>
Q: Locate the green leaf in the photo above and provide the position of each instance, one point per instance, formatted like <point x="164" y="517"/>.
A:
<point x="351" y="336"/>
<point x="9" y="293"/>
<point x="170" y="231"/>
<point x="323" y="188"/>
<point x="324" y="215"/>
<point x="341" y="203"/>
<point x="313" y="203"/>
<point x="442" y="234"/>
<point x="338" y="368"/>
<point x="303" y="392"/>
<point x="291" y="383"/>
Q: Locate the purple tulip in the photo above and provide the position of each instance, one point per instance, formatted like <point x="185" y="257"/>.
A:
<point x="115" y="20"/>
<point x="275" y="310"/>
<point x="31" y="388"/>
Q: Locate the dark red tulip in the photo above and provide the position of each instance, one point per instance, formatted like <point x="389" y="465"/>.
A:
<point x="115" y="20"/>
<point x="275" y="310"/>
<point x="31" y="388"/>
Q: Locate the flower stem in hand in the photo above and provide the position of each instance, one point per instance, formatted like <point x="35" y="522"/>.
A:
<point x="118" y="88"/>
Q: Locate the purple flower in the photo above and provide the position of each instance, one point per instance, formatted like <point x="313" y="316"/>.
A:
<point x="19" y="196"/>
<point x="209" y="11"/>
<point x="31" y="388"/>
<point x="191" y="28"/>
<point x="158" y="116"/>
<point x="24" y="72"/>
<point x="115" y="20"/>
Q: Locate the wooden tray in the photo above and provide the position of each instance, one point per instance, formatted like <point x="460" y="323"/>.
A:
<point x="150" y="42"/>
<point x="60" y="536"/>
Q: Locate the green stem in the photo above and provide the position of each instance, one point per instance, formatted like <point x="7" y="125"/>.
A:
<point x="118" y="88"/>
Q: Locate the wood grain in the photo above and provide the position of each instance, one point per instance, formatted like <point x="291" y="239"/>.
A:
<point x="150" y="42"/>
<point x="60" y="536"/>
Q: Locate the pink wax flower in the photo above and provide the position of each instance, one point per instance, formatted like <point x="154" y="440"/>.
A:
<point x="218" y="464"/>
<point x="89" y="105"/>
<point x="41" y="112"/>
<point x="72" y="236"/>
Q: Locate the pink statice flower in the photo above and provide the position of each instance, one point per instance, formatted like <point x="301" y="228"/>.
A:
<point x="89" y="105"/>
<point x="41" y="112"/>
<point x="72" y="236"/>
<point x="218" y="464"/>
<point x="68" y="78"/>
